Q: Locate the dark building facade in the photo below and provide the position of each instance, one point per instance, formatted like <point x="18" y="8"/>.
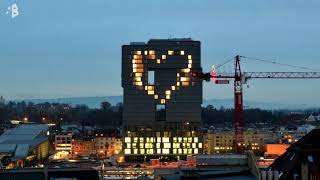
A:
<point x="162" y="102"/>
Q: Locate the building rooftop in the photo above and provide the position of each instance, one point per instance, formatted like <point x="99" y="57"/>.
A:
<point x="23" y="138"/>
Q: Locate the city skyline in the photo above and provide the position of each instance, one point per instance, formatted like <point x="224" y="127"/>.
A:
<point x="73" y="49"/>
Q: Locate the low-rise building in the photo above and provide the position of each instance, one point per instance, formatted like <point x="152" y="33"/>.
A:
<point x="83" y="147"/>
<point x="63" y="145"/>
<point x="107" y="142"/>
<point x="24" y="144"/>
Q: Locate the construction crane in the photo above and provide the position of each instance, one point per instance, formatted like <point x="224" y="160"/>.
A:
<point x="241" y="78"/>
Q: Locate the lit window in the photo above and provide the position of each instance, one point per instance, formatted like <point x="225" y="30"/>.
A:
<point x="196" y="139"/>
<point x="179" y="151"/>
<point x="156" y="96"/>
<point x="180" y="139"/>
<point x="150" y="92"/>
<point x="163" y="101"/>
<point x="189" y="151"/>
<point x="178" y="83"/>
<point x="138" y="74"/>
<point x="174" y="151"/>
<point x="141" y="145"/>
<point x="138" y="83"/>
<point x="190" y="61"/>
<point x="168" y="92"/>
<point x="170" y="52"/>
<point x="190" y="139"/>
<point x="158" y="139"/>
<point x="181" y="52"/>
<point x="141" y="139"/>
<point x="128" y="145"/>
<point x="178" y="74"/>
<point x="166" y="145"/>
<point x="200" y="145"/>
<point x="152" y="56"/>
<point x="148" y="145"/>
<point x="145" y="52"/>
<point x="185" y="83"/>
<point x="173" y="88"/>
<point x="184" y="79"/>
<point x="167" y="96"/>
<point x="158" y="61"/>
<point x="137" y="78"/>
<point x="189" y="65"/>
<point x="127" y="151"/>
<point x="189" y="57"/>
<point x="158" y="151"/>
<point x="135" y="151"/>
<point x="149" y="151"/>
<point x="194" y="145"/>
<point x="185" y="151"/>
<point x="151" y="52"/>
<point x="187" y="70"/>
<point x="164" y="56"/>
<point x="127" y="139"/>
<point x="138" y="52"/>
<point x="165" y="139"/>
<point x="142" y="151"/>
<point x="165" y="151"/>
<point x="158" y="145"/>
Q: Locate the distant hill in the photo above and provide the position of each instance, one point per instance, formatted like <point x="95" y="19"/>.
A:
<point x="94" y="102"/>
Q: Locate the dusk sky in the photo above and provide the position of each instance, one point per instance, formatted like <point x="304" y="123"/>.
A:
<point x="72" y="48"/>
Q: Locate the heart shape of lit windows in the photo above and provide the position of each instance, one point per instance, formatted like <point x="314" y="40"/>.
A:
<point x="138" y="71"/>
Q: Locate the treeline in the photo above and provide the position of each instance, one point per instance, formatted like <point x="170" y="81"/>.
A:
<point x="108" y="115"/>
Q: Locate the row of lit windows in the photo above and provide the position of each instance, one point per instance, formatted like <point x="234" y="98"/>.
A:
<point x="164" y="145"/>
<point x="161" y="151"/>
<point x="162" y="139"/>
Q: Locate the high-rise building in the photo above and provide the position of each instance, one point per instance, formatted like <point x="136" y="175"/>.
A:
<point x="162" y="102"/>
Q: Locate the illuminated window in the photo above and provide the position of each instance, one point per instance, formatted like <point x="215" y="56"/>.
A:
<point x="185" y="83"/>
<point x="179" y="151"/>
<point x="173" y="88"/>
<point x="127" y="139"/>
<point x="138" y="74"/>
<point x="152" y="56"/>
<point x="142" y="151"/>
<point x="174" y="151"/>
<point x="176" y="145"/>
<point x="135" y="139"/>
<point x="127" y="151"/>
<point x="189" y="151"/>
<point x="190" y="139"/>
<point x="158" y="145"/>
<point x="165" y="151"/>
<point x="149" y="151"/>
<point x="141" y="145"/>
<point x="184" y="79"/>
<point x="194" y="145"/>
<point x="200" y="145"/>
<point x="168" y="92"/>
<point x="181" y="52"/>
<point x="196" y="139"/>
<point x="185" y="151"/>
<point x="158" y="139"/>
<point x="138" y="52"/>
<point x="178" y="83"/>
<point x="163" y="101"/>
<point x="158" y="61"/>
<point x="135" y="151"/>
<point x="141" y="139"/>
<point x="187" y="70"/>
<point x="145" y="52"/>
<point x="138" y="83"/>
<point x="151" y="52"/>
<point x="190" y="61"/>
<point x="189" y="57"/>
<point x="178" y="74"/>
<point x="164" y="56"/>
<point x="189" y="65"/>
<point x="167" y="96"/>
<point x="151" y="77"/>
<point x="179" y="139"/>
<point x="165" y="139"/>
<point x="156" y="96"/>
<point x="150" y="92"/>
<point x="148" y="145"/>
<point x="158" y="151"/>
<point x="170" y="52"/>
<point x="166" y="145"/>
<point x="128" y="145"/>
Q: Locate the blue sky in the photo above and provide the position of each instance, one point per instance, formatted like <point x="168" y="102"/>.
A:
<point x="73" y="48"/>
